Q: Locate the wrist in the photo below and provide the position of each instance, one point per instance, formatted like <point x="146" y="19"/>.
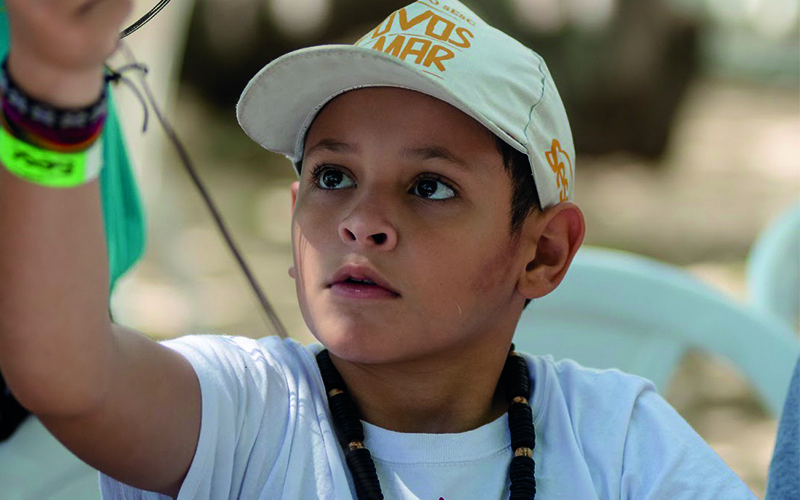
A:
<point x="57" y="86"/>
<point x="50" y="140"/>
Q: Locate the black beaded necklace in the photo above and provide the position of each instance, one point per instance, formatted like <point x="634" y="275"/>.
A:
<point x="520" y="422"/>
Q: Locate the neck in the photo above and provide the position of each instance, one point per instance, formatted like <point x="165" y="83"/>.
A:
<point x="437" y="394"/>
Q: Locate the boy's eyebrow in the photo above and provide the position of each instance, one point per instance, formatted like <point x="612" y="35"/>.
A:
<point x="436" y="152"/>
<point x="332" y="145"/>
<point x="430" y="152"/>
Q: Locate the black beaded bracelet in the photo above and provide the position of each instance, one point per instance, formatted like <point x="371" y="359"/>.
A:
<point x="46" y="115"/>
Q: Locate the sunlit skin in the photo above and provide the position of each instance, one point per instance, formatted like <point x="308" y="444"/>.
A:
<point x="413" y="190"/>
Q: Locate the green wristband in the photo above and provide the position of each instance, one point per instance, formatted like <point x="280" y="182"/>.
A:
<point x="49" y="168"/>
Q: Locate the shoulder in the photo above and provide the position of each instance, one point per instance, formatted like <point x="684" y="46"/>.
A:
<point x="635" y="445"/>
<point x="271" y="349"/>
<point x="589" y="410"/>
<point x="244" y="361"/>
<point x="593" y="408"/>
<point x="579" y="386"/>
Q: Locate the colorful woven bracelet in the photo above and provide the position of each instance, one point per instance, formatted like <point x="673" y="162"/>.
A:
<point x="46" y="145"/>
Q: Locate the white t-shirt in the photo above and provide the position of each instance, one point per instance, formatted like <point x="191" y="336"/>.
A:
<point x="266" y="434"/>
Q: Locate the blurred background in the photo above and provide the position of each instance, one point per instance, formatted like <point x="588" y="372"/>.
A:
<point x="686" y="117"/>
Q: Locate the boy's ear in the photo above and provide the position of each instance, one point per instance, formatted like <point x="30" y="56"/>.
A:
<point x="551" y="237"/>
<point x="295" y="187"/>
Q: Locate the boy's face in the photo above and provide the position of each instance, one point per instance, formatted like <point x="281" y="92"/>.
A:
<point x="405" y="190"/>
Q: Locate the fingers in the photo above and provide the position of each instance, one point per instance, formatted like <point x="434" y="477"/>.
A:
<point x="67" y="34"/>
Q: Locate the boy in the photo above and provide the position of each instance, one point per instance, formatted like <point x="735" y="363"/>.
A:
<point x="416" y="246"/>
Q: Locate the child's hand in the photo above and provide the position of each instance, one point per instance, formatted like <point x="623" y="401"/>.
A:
<point x="58" y="46"/>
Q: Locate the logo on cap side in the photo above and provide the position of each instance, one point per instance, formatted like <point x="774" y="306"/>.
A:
<point x="555" y="159"/>
<point x="426" y="34"/>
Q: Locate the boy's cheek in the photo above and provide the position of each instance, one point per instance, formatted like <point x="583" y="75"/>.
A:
<point x="307" y="234"/>
<point x="494" y="272"/>
<point x="313" y="220"/>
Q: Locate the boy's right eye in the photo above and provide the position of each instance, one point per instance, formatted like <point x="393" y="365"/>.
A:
<point x="331" y="178"/>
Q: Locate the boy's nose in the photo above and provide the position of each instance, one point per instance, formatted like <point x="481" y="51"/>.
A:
<point x="368" y="231"/>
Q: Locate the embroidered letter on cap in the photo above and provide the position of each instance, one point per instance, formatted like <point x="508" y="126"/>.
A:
<point x="554" y="159"/>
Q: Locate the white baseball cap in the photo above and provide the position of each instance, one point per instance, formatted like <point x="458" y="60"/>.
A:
<point x="436" y="47"/>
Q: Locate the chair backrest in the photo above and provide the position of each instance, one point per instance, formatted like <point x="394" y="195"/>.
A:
<point x="620" y="310"/>
<point x="34" y="465"/>
<point x="773" y="268"/>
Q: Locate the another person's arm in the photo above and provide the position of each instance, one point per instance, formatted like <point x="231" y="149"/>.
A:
<point x="118" y="400"/>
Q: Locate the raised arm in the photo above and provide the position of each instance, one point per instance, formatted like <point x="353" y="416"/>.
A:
<point x="118" y="400"/>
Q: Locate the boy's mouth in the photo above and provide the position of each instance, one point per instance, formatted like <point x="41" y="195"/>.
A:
<point x="361" y="282"/>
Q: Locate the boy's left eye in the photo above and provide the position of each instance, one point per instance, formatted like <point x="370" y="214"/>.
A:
<point x="330" y="178"/>
<point x="432" y="189"/>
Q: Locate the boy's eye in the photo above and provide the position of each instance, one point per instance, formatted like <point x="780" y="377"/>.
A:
<point x="432" y="189"/>
<point x="331" y="178"/>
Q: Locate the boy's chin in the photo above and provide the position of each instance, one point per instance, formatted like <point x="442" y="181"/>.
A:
<point x="370" y="335"/>
<point x="358" y="344"/>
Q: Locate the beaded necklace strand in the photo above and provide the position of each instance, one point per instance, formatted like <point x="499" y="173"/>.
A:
<point x="520" y="423"/>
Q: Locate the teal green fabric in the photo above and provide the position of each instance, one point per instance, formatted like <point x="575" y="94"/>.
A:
<point x="122" y="208"/>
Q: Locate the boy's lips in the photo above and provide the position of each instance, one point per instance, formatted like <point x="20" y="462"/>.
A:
<point x="361" y="282"/>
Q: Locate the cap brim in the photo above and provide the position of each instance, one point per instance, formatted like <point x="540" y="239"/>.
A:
<point x="279" y="104"/>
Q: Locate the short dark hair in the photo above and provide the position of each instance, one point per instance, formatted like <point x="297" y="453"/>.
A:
<point x="524" y="196"/>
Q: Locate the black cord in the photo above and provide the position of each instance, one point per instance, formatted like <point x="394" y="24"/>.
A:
<point x="144" y="19"/>
<point x="116" y="76"/>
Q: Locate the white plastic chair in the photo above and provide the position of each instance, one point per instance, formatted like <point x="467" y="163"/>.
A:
<point x="620" y="310"/>
<point x="35" y="466"/>
<point x="773" y="268"/>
